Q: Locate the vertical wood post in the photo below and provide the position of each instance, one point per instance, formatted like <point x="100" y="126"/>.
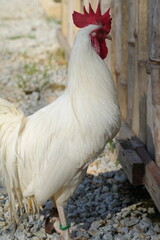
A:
<point x="64" y="18"/>
<point x="155" y="73"/>
<point x="131" y="57"/>
<point x="150" y="128"/>
<point x="110" y="60"/>
<point x="142" y="55"/>
<point x="135" y="104"/>
<point x="121" y="55"/>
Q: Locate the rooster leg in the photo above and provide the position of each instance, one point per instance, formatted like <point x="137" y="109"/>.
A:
<point x="62" y="226"/>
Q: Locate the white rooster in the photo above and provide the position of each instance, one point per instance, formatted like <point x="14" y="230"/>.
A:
<point x="46" y="155"/>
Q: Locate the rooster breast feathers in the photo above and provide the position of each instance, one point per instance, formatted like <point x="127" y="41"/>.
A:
<point x="49" y="150"/>
<point x="54" y="145"/>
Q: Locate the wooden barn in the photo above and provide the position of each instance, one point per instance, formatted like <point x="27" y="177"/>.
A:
<point x="134" y="60"/>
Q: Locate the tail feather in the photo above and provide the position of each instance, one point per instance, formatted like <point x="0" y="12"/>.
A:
<point x="12" y="123"/>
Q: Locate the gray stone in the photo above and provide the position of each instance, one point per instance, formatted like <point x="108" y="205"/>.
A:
<point x="48" y="205"/>
<point x="123" y="230"/>
<point x="29" y="235"/>
<point x="40" y="234"/>
<point x="72" y="215"/>
<point x="2" y="224"/>
<point x="131" y="222"/>
<point x="20" y="235"/>
<point x="151" y="210"/>
<point x="95" y="225"/>
<point x="144" y="225"/>
<point x="111" y="181"/>
<point x="120" y="177"/>
<point x="126" y="213"/>
<point x="105" y="189"/>
<point x="157" y="228"/>
<point x="35" y="227"/>
<point x="109" y="216"/>
<point x="80" y="210"/>
<point x="127" y="200"/>
<point x="155" y="237"/>
<point x="85" y="214"/>
<point x="71" y="207"/>
<point x="119" y="237"/>
<point x="5" y="238"/>
<point x="97" y="192"/>
<point x="141" y="209"/>
<point x="90" y="220"/>
<point x="114" y="188"/>
<point x="82" y="234"/>
<point x="107" y="236"/>
<point x="85" y="225"/>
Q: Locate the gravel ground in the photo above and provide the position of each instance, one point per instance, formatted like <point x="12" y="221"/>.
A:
<point x="33" y="73"/>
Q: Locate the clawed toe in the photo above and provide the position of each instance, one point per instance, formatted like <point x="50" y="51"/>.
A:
<point x="50" y="220"/>
<point x="49" y="226"/>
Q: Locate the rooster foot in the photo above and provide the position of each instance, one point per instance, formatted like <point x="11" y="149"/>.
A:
<point x="64" y="234"/>
<point x="52" y="225"/>
<point x="49" y="223"/>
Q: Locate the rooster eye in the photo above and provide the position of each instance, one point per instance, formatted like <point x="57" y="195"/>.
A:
<point x="100" y="31"/>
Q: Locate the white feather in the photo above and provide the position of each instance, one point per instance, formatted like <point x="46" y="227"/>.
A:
<point x="44" y="155"/>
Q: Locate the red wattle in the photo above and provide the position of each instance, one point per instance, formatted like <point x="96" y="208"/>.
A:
<point x="103" y="49"/>
<point x="99" y="47"/>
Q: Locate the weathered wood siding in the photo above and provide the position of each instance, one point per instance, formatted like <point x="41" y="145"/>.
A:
<point x="137" y="68"/>
<point x="154" y="57"/>
<point x="134" y="60"/>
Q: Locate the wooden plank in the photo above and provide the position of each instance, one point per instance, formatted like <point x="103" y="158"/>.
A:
<point x="131" y="163"/>
<point x="65" y="18"/>
<point x="150" y="123"/>
<point x="124" y="67"/>
<point x="136" y="89"/>
<point x="142" y="100"/>
<point x="121" y="57"/>
<point x="71" y="26"/>
<point x="155" y="32"/>
<point x="155" y="73"/>
<point x="131" y="58"/>
<point x="110" y="44"/>
<point x="155" y="76"/>
<point x="142" y="54"/>
<point x="110" y="60"/>
<point x="105" y="5"/>
<point x="150" y="126"/>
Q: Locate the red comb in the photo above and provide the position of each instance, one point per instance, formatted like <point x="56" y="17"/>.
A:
<point x="91" y="17"/>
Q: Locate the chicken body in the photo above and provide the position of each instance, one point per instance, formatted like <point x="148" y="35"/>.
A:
<point x="46" y="154"/>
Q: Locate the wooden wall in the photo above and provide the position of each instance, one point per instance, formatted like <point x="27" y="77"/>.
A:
<point x="134" y="60"/>
<point x="137" y="68"/>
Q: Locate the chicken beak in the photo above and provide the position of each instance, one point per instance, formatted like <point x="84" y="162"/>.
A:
<point x="109" y="37"/>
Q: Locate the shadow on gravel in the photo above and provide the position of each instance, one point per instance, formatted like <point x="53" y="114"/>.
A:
<point x="100" y="197"/>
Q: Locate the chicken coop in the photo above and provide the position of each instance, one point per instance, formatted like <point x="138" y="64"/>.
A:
<point x="134" y="60"/>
